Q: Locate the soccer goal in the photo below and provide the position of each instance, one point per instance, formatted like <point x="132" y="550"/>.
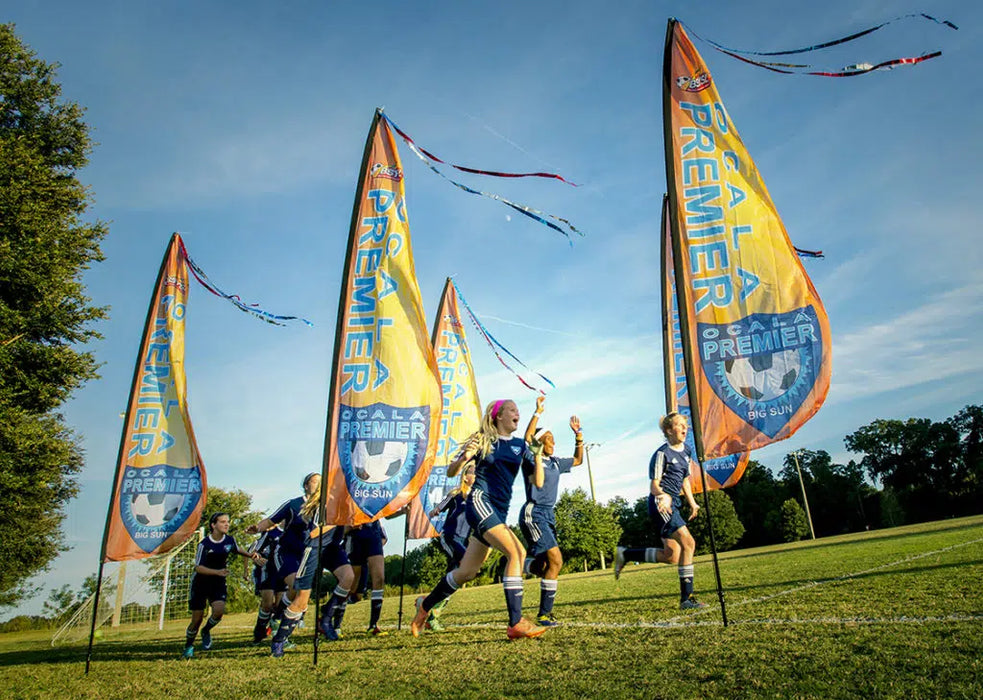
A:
<point x="144" y="593"/>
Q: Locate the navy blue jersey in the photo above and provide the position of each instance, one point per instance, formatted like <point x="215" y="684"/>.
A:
<point x="669" y="468"/>
<point x="456" y="523"/>
<point x="495" y="474"/>
<point x="295" y="528"/>
<point x="267" y="542"/>
<point x="552" y="468"/>
<point x="215" y="555"/>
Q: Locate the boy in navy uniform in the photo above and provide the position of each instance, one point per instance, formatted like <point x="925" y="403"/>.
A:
<point x="453" y="536"/>
<point x="669" y="476"/>
<point x="267" y="581"/>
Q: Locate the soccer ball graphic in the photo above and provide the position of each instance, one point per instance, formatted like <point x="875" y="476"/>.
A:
<point x="155" y="509"/>
<point x="377" y="460"/>
<point x="763" y="377"/>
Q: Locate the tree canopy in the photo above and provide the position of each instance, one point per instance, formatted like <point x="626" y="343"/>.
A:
<point x="45" y="245"/>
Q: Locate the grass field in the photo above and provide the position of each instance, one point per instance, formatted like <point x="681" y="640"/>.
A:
<point x="890" y="613"/>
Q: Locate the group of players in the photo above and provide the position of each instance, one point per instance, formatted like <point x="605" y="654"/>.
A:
<point x="286" y="553"/>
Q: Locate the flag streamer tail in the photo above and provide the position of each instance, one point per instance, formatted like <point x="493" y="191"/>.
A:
<point x="535" y="214"/>
<point x="494" y="344"/>
<point x="859" y="68"/>
<point x="254" y="309"/>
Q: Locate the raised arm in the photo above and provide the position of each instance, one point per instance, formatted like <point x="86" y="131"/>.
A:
<point x="534" y="420"/>
<point x="578" y="441"/>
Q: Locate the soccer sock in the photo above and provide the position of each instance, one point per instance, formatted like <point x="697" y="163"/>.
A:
<point x="189" y="637"/>
<point x="513" y="597"/>
<point x="652" y="555"/>
<point x="262" y="622"/>
<point x="635" y="554"/>
<point x="442" y="592"/>
<point x="210" y="624"/>
<point x="339" y="614"/>
<point x="290" y="620"/>
<point x="376" y="608"/>
<point x="338" y="596"/>
<point x="547" y="594"/>
<point x="281" y="605"/>
<point x="685" y="582"/>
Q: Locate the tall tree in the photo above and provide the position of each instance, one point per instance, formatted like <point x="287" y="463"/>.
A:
<point x="44" y="248"/>
<point x="727" y="527"/>
<point x="585" y="529"/>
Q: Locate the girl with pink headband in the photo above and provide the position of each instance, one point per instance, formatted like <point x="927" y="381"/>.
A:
<point x="498" y="457"/>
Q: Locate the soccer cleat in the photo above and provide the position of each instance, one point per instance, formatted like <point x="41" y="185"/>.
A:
<point x="523" y="629"/>
<point x="548" y="621"/>
<point x="691" y="603"/>
<point x="434" y="623"/>
<point x="206" y="641"/>
<point x="329" y="632"/>
<point x="420" y="620"/>
<point x="619" y="561"/>
<point x="188" y="652"/>
<point x="376" y="632"/>
<point x="276" y="649"/>
<point x="288" y="644"/>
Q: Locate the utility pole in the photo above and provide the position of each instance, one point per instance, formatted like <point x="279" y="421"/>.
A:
<point x="795" y="456"/>
<point x="590" y="475"/>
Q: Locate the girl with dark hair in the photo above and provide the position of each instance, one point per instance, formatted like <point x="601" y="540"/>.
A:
<point x="208" y="580"/>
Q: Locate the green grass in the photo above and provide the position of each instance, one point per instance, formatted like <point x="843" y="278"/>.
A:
<point x="891" y="613"/>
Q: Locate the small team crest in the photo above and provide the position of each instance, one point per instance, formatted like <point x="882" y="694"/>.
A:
<point x="380" y="448"/>
<point x="516" y="449"/>
<point x="154" y="502"/>
<point x="763" y="366"/>
<point x="433" y="493"/>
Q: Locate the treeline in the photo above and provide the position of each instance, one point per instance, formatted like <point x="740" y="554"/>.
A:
<point x="911" y="471"/>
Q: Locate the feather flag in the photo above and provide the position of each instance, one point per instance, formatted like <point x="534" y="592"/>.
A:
<point x="755" y="336"/>
<point x="459" y="418"/>
<point x="160" y="484"/>
<point x="722" y="471"/>
<point x="385" y="400"/>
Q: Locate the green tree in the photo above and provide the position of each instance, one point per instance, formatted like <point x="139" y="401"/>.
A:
<point x="636" y="525"/>
<point x="585" y="529"/>
<point x="44" y="248"/>
<point x="757" y="496"/>
<point x="794" y="525"/>
<point x="727" y="527"/>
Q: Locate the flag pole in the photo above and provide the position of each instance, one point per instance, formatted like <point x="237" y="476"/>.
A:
<point x="684" y="311"/>
<point x="402" y="573"/>
<point x="339" y="332"/>
<point x="151" y="313"/>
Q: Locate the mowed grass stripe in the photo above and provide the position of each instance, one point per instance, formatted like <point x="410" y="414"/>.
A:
<point x="893" y="613"/>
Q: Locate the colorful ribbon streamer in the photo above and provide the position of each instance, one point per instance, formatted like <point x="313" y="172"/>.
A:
<point x="803" y="253"/>
<point x="847" y="71"/>
<point x="253" y="309"/>
<point x="492" y="343"/>
<point x="534" y="214"/>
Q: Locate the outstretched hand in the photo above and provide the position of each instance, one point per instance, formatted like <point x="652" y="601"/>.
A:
<point x="575" y="424"/>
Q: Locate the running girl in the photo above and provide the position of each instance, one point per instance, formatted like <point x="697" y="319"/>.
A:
<point x="453" y="536"/>
<point x="499" y="457"/>
<point x="208" y="580"/>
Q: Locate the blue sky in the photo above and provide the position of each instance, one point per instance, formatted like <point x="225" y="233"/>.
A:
<point x="241" y="125"/>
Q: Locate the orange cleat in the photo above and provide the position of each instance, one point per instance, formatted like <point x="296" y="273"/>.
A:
<point x="420" y="621"/>
<point x="524" y="629"/>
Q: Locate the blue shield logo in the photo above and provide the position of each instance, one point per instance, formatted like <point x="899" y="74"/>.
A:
<point x="154" y="502"/>
<point x="380" y="448"/>
<point x="763" y="366"/>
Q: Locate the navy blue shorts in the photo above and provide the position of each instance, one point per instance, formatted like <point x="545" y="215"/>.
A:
<point x="538" y="525"/>
<point x="483" y="515"/>
<point x="205" y="589"/>
<point x="267" y="578"/>
<point x="364" y="543"/>
<point x="333" y="557"/>
<point x="667" y="522"/>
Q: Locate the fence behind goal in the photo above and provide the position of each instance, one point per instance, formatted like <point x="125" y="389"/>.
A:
<point x="137" y="594"/>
